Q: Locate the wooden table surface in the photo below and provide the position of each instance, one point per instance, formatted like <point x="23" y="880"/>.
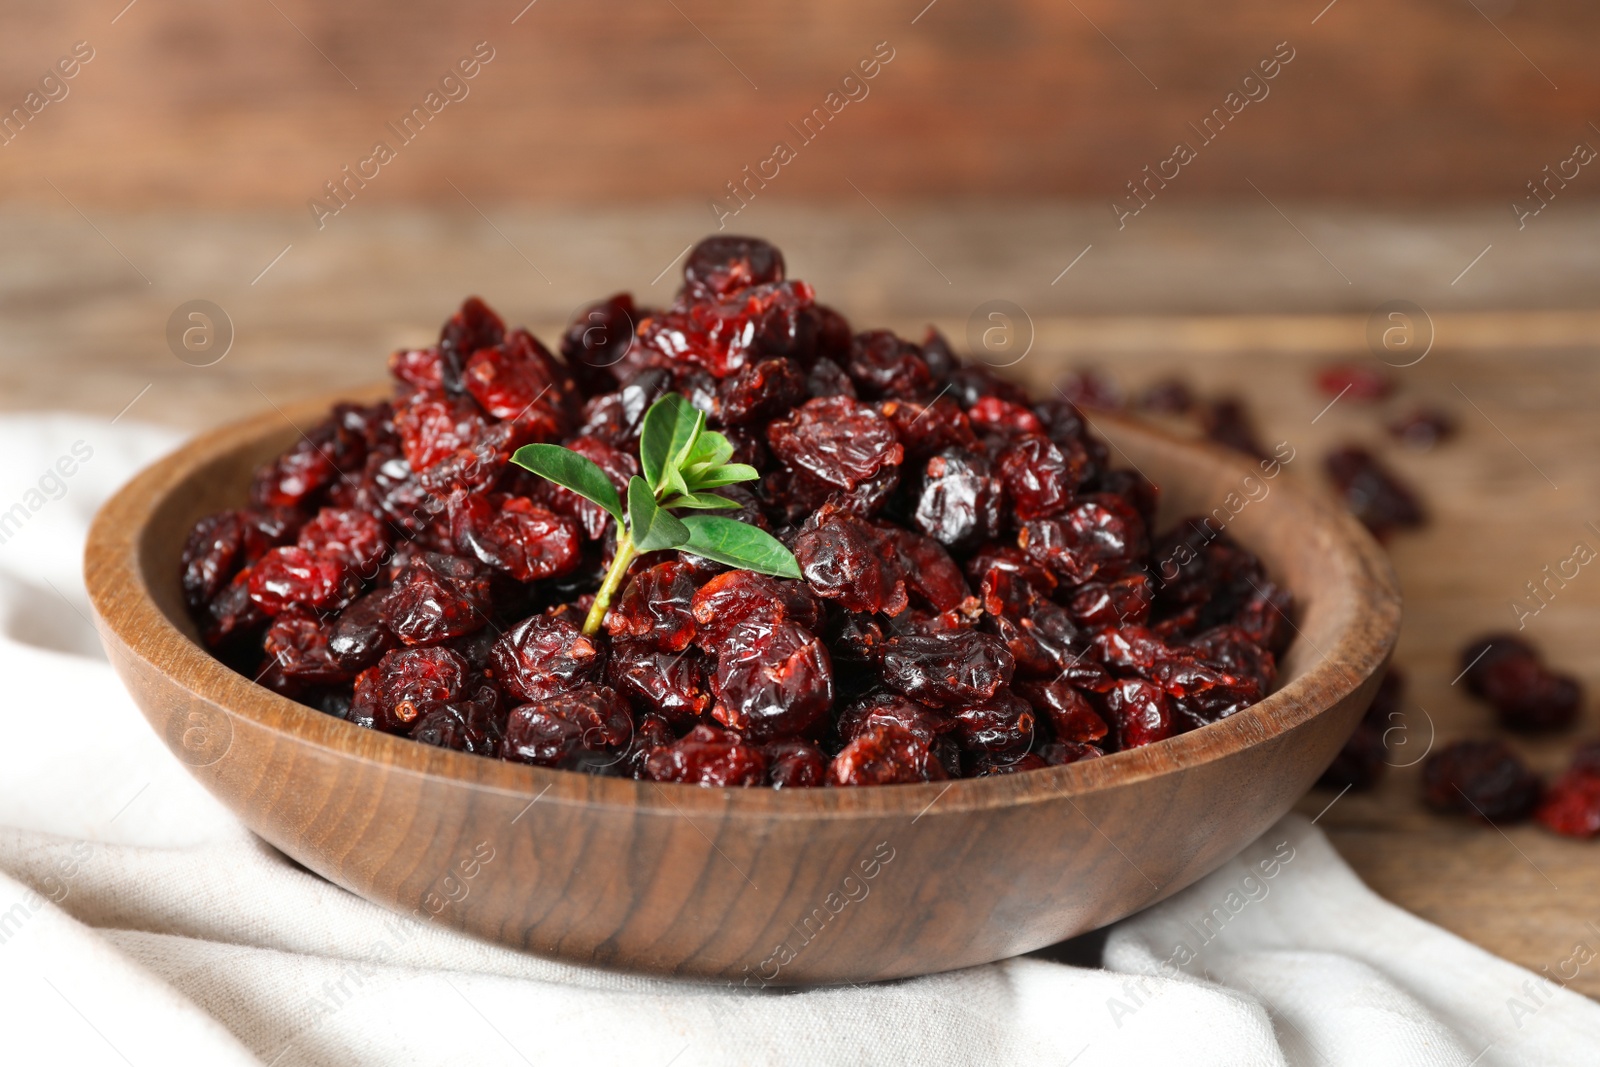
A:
<point x="83" y="311"/>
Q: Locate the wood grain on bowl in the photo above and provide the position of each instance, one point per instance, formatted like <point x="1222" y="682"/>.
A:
<point x="751" y="886"/>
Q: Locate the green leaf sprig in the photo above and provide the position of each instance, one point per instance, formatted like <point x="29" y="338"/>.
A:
<point x="682" y="461"/>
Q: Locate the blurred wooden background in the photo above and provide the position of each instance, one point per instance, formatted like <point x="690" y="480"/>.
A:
<point x="193" y="102"/>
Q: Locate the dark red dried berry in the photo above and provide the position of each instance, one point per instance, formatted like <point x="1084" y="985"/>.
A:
<point x="883" y="365"/>
<point x="655" y="607"/>
<point x="571" y="730"/>
<point x="961" y="667"/>
<point x="960" y="503"/>
<point x="993" y="414"/>
<point x="295" y="576"/>
<point x="1002" y="724"/>
<point x="1373" y="494"/>
<point x="1061" y="753"/>
<point x="1040" y="476"/>
<point x="298" y="641"/>
<point x="671" y="684"/>
<point x="772" y="681"/>
<point x="355" y="537"/>
<point x="1483" y="779"/>
<point x="719" y="267"/>
<point x="471" y="725"/>
<point x="840" y="558"/>
<point x="761" y="391"/>
<point x="515" y="535"/>
<point x="1169" y="396"/>
<point x="438" y="597"/>
<point x="544" y="655"/>
<point x="405" y="685"/>
<point x="1138" y="713"/>
<point x="432" y="426"/>
<point x="836" y="439"/>
<point x="1071" y="716"/>
<point x="737" y="597"/>
<point x="884" y="754"/>
<point x="1101" y="531"/>
<point x="795" y="764"/>
<point x="1089" y="388"/>
<point x="360" y="634"/>
<point x="709" y="757"/>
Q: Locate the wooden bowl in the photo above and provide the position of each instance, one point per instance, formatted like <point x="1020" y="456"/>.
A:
<point x="752" y="886"/>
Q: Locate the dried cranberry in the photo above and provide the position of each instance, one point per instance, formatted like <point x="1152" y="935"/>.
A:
<point x="432" y="426"/>
<point x="650" y="732"/>
<point x="219" y="545"/>
<point x="885" y="754"/>
<point x="655" y="607"/>
<point x="520" y="380"/>
<point x="1373" y="494"/>
<point x="355" y="537"/>
<point x="719" y="267"/>
<point x="473" y="327"/>
<point x="1061" y="753"/>
<point x="545" y="654"/>
<point x="926" y="429"/>
<point x="1004" y="723"/>
<point x="471" y="725"/>
<point x="516" y="535"/>
<point x="960" y="502"/>
<point x="995" y="415"/>
<point x="597" y="340"/>
<point x="708" y="756"/>
<point x="406" y="684"/>
<point x="736" y="597"/>
<point x="420" y="368"/>
<point x="1484" y="779"/>
<point x="1070" y="714"/>
<point x="567" y="729"/>
<point x="438" y="597"/>
<point x="794" y="764"/>
<point x="1138" y="712"/>
<point x="672" y="684"/>
<point x="360" y="634"/>
<point x="953" y="668"/>
<point x="232" y="617"/>
<point x="1572" y="805"/>
<point x="298" y="641"/>
<point x="882" y="365"/>
<point x="839" y="440"/>
<point x="772" y="681"/>
<point x="840" y="558"/>
<point x="761" y="391"/>
<point x="1041" y="476"/>
<point x="1100" y="531"/>
<point x="295" y="576"/>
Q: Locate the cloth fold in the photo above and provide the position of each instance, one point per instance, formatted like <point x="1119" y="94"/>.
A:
<point x="140" y="923"/>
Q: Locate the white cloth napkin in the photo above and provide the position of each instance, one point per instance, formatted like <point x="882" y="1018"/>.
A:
<point x="141" y="924"/>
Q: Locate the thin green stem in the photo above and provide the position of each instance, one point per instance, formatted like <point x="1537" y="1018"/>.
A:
<point x="613" y="581"/>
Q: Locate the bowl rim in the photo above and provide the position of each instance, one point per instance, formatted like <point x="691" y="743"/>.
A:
<point x="127" y="611"/>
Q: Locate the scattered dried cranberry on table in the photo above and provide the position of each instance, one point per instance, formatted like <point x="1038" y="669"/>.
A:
<point x="980" y="592"/>
<point x="1354" y="381"/>
<point x="1373" y="493"/>
<point x="1482" y="779"/>
<point x="1527" y="697"/>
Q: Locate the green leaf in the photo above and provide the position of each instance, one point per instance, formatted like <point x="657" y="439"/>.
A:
<point x="699" y="500"/>
<point x="670" y="426"/>
<point x="652" y="526"/>
<point x="738" y="544"/>
<point x="711" y="449"/>
<point x="726" y="474"/>
<point x="571" y="471"/>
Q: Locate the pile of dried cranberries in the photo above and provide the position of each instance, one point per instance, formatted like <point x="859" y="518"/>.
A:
<point x="982" y="592"/>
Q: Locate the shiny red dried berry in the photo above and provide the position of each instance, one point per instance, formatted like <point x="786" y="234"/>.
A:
<point x="761" y="391"/>
<point x="772" y="681"/>
<point x="546" y="654"/>
<point x="1040" y="476"/>
<point x="1138" y="712"/>
<point x="1101" y="531"/>
<point x="994" y="415"/>
<point x="738" y="597"/>
<point x="671" y="684"/>
<point x="655" y="607"/>
<point x="960" y="502"/>
<point x="294" y="576"/>
<point x="794" y="764"/>
<point x="298" y="641"/>
<point x="1002" y="724"/>
<point x="406" y="684"/>
<point x="926" y="429"/>
<point x="618" y="466"/>
<point x="438" y="597"/>
<point x="883" y="365"/>
<point x="432" y="426"/>
<point x="719" y="267"/>
<point x="951" y="668"/>
<point x="515" y="535"/>
<point x="839" y="440"/>
<point x="360" y="634"/>
<point x="351" y="535"/>
<point x="1071" y="716"/>
<point x="709" y="757"/>
<point x="573" y="730"/>
<point x="884" y="754"/>
<point x="840" y="559"/>
<point x="470" y="725"/>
